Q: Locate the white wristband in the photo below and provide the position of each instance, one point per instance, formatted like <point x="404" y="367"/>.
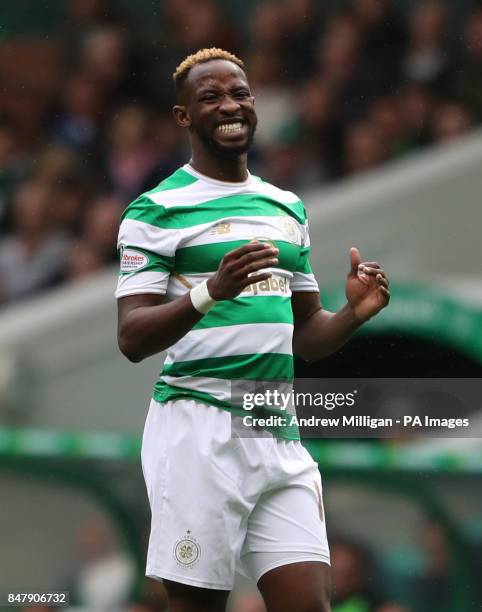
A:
<point x="200" y="298"/>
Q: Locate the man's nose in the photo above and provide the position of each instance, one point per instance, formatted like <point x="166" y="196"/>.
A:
<point x="228" y="104"/>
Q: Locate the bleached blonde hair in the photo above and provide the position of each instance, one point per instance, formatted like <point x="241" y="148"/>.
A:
<point x="201" y="56"/>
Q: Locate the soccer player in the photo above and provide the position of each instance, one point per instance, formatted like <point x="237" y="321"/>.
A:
<point x="215" y="269"/>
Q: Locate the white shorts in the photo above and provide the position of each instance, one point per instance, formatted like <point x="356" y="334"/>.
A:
<point x="222" y="504"/>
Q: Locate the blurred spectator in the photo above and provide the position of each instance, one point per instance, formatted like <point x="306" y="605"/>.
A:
<point x="273" y="98"/>
<point x="469" y="74"/>
<point x="427" y="59"/>
<point x="133" y="153"/>
<point x="89" y="13"/>
<point x="267" y="28"/>
<point x="104" y="57"/>
<point x="385" y="114"/>
<point x="33" y="256"/>
<point x="342" y="67"/>
<point x="68" y="207"/>
<point x="102" y="226"/>
<point x="353" y="575"/>
<point x="451" y="121"/>
<point x="198" y="23"/>
<point x="340" y="50"/>
<point x="78" y="123"/>
<point x="302" y="21"/>
<point x="11" y="167"/>
<point x="433" y="588"/>
<point x="350" y="566"/>
<point x="316" y="128"/>
<point x="364" y="147"/>
<point x="84" y="259"/>
<point x="383" y="38"/>
<point x="106" y="574"/>
<point x="54" y="163"/>
<point x="282" y="165"/>
<point x="415" y="106"/>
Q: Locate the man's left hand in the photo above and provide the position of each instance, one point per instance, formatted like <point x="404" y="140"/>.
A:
<point x="366" y="287"/>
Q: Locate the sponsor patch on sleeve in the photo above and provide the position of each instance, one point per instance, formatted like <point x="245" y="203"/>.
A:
<point x="132" y="260"/>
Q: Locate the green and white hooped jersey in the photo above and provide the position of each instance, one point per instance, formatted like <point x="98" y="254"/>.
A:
<point x="173" y="237"/>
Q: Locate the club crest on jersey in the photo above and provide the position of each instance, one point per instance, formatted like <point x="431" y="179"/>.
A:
<point x="187" y="550"/>
<point x="290" y="230"/>
<point x="132" y="260"/>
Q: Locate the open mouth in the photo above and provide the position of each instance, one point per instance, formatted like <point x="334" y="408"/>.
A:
<point x="230" y="128"/>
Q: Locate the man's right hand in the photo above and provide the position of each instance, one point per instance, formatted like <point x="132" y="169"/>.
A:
<point x="232" y="275"/>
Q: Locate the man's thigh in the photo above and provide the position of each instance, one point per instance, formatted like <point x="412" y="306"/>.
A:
<point x="187" y="598"/>
<point x="287" y="525"/>
<point x="286" y="548"/>
<point x="297" y="587"/>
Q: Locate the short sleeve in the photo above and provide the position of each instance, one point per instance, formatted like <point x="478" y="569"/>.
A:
<point x="147" y="244"/>
<point x="303" y="277"/>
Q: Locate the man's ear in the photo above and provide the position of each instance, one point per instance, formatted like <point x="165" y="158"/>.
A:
<point x="181" y="116"/>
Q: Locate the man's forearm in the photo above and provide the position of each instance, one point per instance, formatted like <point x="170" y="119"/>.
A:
<point x="147" y="330"/>
<point x="324" y="333"/>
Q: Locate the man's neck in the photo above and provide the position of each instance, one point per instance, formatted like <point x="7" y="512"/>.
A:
<point x="228" y="170"/>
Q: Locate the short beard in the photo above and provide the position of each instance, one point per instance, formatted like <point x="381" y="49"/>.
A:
<point x="221" y="152"/>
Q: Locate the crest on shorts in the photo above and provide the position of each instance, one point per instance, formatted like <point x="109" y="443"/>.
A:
<point x="187" y="551"/>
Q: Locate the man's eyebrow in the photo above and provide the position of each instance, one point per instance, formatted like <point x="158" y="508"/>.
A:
<point x="207" y="88"/>
<point x="214" y="88"/>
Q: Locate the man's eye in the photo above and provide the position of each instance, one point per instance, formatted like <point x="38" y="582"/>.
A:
<point x="241" y="94"/>
<point x="208" y="98"/>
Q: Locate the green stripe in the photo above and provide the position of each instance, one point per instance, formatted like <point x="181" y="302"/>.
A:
<point x="157" y="263"/>
<point x="304" y="261"/>
<point x="179" y="179"/>
<point x="145" y="210"/>
<point x="241" y="205"/>
<point x="206" y="257"/>
<point x="257" y="366"/>
<point x="245" y="310"/>
<point x="165" y="393"/>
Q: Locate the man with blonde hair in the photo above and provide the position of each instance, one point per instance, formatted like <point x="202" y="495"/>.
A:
<point x="215" y="269"/>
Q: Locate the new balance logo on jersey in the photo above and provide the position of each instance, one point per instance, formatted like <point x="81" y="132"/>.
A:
<point x="221" y="228"/>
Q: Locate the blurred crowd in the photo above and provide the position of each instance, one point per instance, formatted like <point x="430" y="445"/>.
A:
<point x="85" y="122"/>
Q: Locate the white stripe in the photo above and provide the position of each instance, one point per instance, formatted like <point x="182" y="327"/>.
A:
<point x="146" y="236"/>
<point x="304" y="282"/>
<point x="142" y="282"/>
<point x="242" y="228"/>
<point x="285" y="197"/>
<point x="203" y="191"/>
<point x="218" y="387"/>
<point x="232" y="391"/>
<point x="233" y="340"/>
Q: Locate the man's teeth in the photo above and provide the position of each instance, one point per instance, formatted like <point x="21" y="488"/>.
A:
<point x="228" y="128"/>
